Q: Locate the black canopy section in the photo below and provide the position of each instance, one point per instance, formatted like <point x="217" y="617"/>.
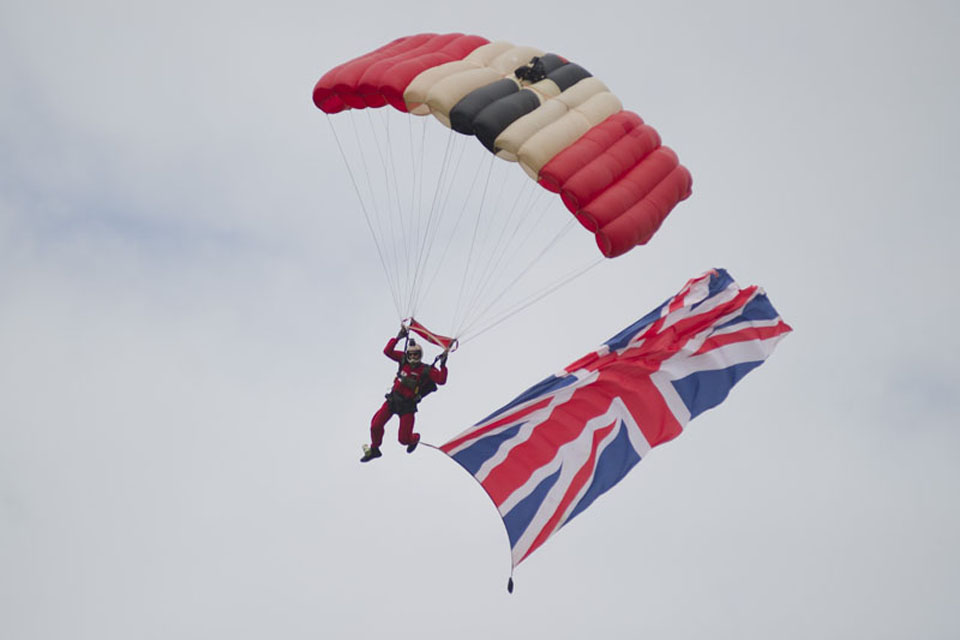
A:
<point x="499" y="115"/>
<point x="464" y="112"/>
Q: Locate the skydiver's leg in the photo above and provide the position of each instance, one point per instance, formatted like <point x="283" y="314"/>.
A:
<point x="406" y="428"/>
<point x="406" y="434"/>
<point x="377" y="423"/>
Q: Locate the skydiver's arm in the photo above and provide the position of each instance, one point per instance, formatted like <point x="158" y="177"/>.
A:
<point x="390" y="351"/>
<point x="439" y="375"/>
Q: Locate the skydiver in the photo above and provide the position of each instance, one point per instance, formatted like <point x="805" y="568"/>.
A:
<point x="414" y="380"/>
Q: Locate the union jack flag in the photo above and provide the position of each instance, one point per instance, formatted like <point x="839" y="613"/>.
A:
<point x="548" y="454"/>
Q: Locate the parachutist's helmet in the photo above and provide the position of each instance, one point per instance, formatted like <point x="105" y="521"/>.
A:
<point x="414" y="352"/>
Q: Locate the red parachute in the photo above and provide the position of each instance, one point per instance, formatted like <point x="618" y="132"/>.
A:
<point x="560" y="123"/>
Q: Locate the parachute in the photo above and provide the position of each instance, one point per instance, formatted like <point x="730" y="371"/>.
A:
<point x="559" y="123"/>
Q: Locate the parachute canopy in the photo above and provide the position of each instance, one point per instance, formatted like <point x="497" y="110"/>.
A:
<point x="547" y="455"/>
<point x="562" y="125"/>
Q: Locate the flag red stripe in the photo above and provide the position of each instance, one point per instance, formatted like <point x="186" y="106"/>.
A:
<point x="511" y="417"/>
<point x="744" y="335"/>
<point x="542" y="446"/>
<point x="584" y="474"/>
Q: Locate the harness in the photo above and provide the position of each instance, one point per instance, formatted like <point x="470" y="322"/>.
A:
<point x="421" y="385"/>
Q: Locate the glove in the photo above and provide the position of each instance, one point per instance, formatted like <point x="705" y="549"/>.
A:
<point x="443" y="359"/>
<point x="402" y="333"/>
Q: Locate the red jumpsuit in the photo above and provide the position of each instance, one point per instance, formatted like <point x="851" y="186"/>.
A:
<point x="403" y="397"/>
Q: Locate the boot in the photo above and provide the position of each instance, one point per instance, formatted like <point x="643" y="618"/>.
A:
<point x="369" y="453"/>
<point x="413" y="445"/>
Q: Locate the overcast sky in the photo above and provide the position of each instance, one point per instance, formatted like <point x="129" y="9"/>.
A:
<point x="192" y="313"/>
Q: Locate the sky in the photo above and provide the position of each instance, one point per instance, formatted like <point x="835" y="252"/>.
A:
<point x="192" y="315"/>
